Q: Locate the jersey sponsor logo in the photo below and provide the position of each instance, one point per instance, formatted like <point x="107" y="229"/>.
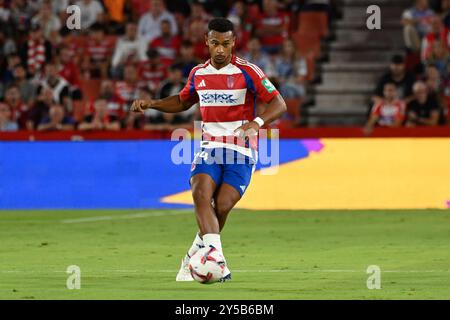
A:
<point x="221" y="98"/>
<point x="268" y="85"/>
<point x="202" y="84"/>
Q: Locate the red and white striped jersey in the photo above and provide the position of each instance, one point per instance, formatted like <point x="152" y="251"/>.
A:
<point x="227" y="99"/>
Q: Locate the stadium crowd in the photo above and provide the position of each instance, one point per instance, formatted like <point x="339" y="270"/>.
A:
<point x="56" y="78"/>
<point x="416" y="89"/>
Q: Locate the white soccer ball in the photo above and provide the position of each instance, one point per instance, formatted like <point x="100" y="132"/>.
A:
<point x="207" y="265"/>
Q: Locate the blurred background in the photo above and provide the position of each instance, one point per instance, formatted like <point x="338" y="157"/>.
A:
<point x="340" y="80"/>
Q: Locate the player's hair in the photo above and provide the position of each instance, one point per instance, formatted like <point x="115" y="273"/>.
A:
<point x="221" y="25"/>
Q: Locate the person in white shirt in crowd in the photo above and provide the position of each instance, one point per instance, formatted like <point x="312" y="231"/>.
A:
<point x="48" y="21"/>
<point x="149" y="26"/>
<point x="128" y="49"/>
<point x="91" y="12"/>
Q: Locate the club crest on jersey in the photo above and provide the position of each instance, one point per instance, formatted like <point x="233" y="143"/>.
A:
<point x="230" y="82"/>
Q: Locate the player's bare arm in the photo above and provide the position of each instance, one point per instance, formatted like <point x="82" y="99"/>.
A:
<point x="172" y="104"/>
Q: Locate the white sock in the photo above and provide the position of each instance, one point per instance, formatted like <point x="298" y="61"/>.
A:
<point x="212" y="239"/>
<point x="196" y="245"/>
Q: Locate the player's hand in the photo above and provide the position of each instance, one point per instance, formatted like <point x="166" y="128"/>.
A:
<point x="139" y="106"/>
<point x="247" y="130"/>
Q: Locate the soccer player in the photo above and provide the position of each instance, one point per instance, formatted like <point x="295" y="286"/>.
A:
<point x="226" y="88"/>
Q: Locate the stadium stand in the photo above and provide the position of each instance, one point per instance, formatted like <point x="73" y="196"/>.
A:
<point x="329" y="81"/>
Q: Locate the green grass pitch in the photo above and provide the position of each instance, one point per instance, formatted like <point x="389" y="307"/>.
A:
<point x="129" y="254"/>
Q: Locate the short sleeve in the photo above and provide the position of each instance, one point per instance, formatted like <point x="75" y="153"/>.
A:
<point x="188" y="93"/>
<point x="265" y="90"/>
<point x="376" y="109"/>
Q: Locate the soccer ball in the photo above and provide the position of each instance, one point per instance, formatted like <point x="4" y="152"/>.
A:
<point x="207" y="265"/>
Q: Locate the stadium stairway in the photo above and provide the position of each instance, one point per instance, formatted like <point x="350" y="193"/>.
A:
<point x="353" y="62"/>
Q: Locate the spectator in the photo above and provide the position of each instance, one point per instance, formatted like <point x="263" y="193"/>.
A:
<point x="199" y="15"/>
<point x="26" y="87"/>
<point x="432" y="79"/>
<point x="187" y="59"/>
<point x="6" y="121"/>
<point x="58" y="85"/>
<point x="438" y="57"/>
<point x="151" y="72"/>
<point x="116" y="105"/>
<point x="128" y="49"/>
<point x="196" y="36"/>
<point x="18" y="108"/>
<point x="168" y="44"/>
<point x="5" y="13"/>
<point x="40" y="108"/>
<point x="272" y="27"/>
<point x="149" y="26"/>
<point x="260" y="58"/>
<point x="127" y="90"/>
<point x="20" y="15"/>
<point x="389" y="112"/>
<point x="48" y="21"/>
<point x="91" y="12"/>
<point x="291" y="71"/>
<point x="242" y="24"/>
<point x="100" y="119"/>
<point x="36" y="51"/>
<point x="438" y="34"/>
<point x="12" y="61"/>
<point x="116" y="14"/>
<point x="97" y="53"/>
<point x="57" y="119"/>
<point x="7" y="45"/>
<point x="397" y="74"/>
<point x="174" y="84"/>
<point x="137" y="120"/>
<point x="424" y="110"/>
<point x="416" y="24"/>
<point x="68" y="69"/>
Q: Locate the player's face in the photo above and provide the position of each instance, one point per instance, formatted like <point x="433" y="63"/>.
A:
<point x="221" y="45"/>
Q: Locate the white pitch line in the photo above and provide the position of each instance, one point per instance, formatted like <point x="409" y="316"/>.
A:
<point x="138" y="215"/>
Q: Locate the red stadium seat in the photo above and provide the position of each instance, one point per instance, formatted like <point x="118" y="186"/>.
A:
<point x="307" y="44"/>
<point x="293" y="108"/>
<point x="311" y="65"/>
<point x="313" y="22"/>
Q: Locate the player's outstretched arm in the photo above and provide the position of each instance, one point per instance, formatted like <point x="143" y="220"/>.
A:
<point x="274" y="110"/>
<point x="172" y="104"/>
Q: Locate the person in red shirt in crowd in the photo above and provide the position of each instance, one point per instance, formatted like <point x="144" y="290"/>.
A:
<point x="100" y="119"/>
<point x="116" y="104"/>
<point x="36" y="51"/>
<point x="439" y="33"/>
<point x="68" y="69"/>
<point x="97" y="53"/>
<point x="272" y="27"/>
<point x="197" y="38"/>
<point x="151" y="72"/>
<point x="168" y="44"/>
<point x="18" y="108"/>
<point x="243" y="24"/>
<point x="389" y="112"/>
<point x="127" y="90"/>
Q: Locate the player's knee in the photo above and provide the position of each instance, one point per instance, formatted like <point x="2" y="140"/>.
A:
<point x="223" y="206"/>
<point x="201" y="196"/>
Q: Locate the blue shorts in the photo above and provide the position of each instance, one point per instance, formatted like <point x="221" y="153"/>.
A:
<point x="224" y="166"/>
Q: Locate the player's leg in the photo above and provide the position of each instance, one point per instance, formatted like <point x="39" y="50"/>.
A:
<point x="204" y="179"/>
<point x="236" y="178"/>
<point x="225" y="199"/>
